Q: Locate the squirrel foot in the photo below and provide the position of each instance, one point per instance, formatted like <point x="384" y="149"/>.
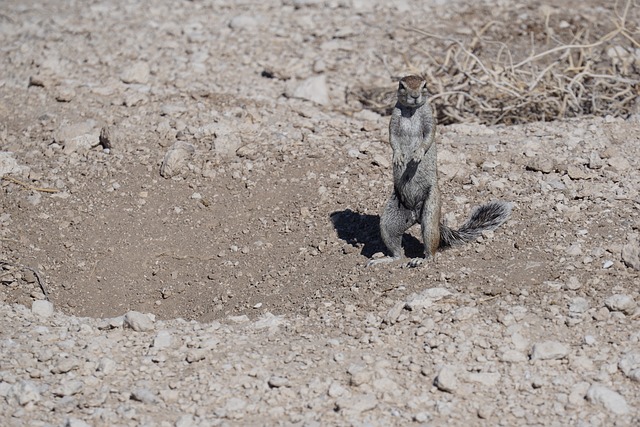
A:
<point x="384" y="260"/>
<point x="415" y="262"/>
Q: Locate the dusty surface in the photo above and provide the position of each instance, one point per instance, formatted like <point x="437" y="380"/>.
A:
<point x="267" y="205"/>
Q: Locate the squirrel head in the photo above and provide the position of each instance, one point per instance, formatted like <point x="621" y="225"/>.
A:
<point x="412" y="91"/>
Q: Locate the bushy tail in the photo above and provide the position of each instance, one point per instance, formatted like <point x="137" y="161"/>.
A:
<point x="483" y="218"/>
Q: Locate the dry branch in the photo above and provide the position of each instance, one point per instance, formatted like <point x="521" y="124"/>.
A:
<point x="583" y="77"/>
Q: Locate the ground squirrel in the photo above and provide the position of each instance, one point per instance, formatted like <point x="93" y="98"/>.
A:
<point x="416" y="198"/>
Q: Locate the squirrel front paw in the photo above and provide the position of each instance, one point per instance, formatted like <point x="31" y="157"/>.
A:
<point x="415" y="262"/>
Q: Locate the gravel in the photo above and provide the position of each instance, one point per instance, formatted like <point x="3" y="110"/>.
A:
<point x="179" y="372"/>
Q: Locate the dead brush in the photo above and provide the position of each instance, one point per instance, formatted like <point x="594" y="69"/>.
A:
<point x="579" y="78"/>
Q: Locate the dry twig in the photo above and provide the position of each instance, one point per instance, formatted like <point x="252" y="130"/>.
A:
<point x="29" y="186"/>
<point x="583" y="77"/>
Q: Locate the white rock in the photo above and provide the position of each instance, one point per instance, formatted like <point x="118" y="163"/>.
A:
<point x="488" y="379"/>
<point x="426" y="298"/>
<point x="336" y="390"/>
<point x="631" y="253"/>
<point x="186" y="421"/>
<point x="196" y="355"/>
<point x="163" y="339"/>
<point x="513" y="356"/>
<point x="354" y="153"/>
<point x="68" y="388"/>
<point x="227" y="139"/>
<point x="358" y="404"/>
<point x="243" y="318"/>
<point x="81" y="144"/>
<point x="176" y="158"/>
<point x="64" y="365"/>
<point x="621" y="302"/>
<point x="620" y="164"/>
<point x="578" y="305"/>
<point x="75" y="422"/>
<point x="611" y="400"/>
<point x="387" y="385"/>
<point x="629" y="364"/>
<point x="381" y="161"/>
<point x="277" y="381"/>
<point x="595" y="161"/>
<point x="69" y="131"/>
<point x="24" y="392"/>
<point x="306" y="3"/>
<point x="549" y="350"/>
<point x="5" y="388"/>
<point x="485" y="411"/>
<point x="581" y="364"/>
<point x="138" y="322"/>
<point x="520" y="342"/>
<point x="578" y="393"/>
<point x="235" y="404"/>
<point x="9" y="165"/>
<point x="394" y="313"/>
<point x="42" y="308"/>
<point x="574" y="249"/>
<point x="446" y="379"/>
<point x="243" y="22"/>
<point x="359" y="375"/>
<point x="465" y="313"/>
<point x="490" y="165"/>
<point x="313" y="89"/>
<point x="144" y="395"/>
<point x="136" y="73"/>
<point x="269" y="321"/>
<point x="107" y="366"/>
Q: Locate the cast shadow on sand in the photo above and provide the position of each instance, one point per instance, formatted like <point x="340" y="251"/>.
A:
<point x="362" y="231"/>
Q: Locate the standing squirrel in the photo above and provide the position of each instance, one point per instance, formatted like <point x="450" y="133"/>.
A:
<point x="416" y="197"/>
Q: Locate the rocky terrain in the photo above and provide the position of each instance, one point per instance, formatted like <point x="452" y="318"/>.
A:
<point x="190" y="195"/>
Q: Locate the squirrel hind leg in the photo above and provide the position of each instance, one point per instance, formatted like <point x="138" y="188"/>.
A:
<point x="395" y="220"/>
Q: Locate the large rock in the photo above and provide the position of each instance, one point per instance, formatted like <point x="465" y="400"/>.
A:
<point x="176" y="159"/>
<point x="621" y="302"/>
<point x="138" y="322"/>
<point x="609" y="399"/>
<point x="549" y="350"/>
<point x="136" y="73"/>
<point x="77" y="137"/>
<point x="313" y="89"/>
<point x="42" y="308"/>
<point x="631" y="253"/>
<point x="8" y="164"/>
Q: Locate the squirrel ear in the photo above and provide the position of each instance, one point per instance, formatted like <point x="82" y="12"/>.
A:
<point x="426" y="86"/>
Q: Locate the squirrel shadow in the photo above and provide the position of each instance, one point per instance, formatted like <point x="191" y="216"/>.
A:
<point x="362" y="231"/>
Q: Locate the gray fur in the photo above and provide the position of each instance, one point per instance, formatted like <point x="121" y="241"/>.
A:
<point x="483" y="218"/>
<point x="416" y="197"/>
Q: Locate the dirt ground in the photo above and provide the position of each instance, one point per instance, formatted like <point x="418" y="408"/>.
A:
<point x="290" y="222"/>
<point x="241" y="178"/>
